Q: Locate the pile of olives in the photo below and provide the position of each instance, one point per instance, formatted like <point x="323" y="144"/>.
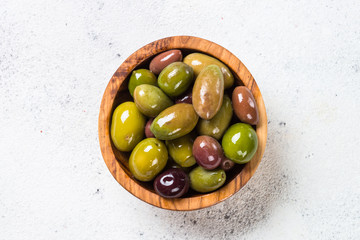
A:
<point x="184" y="113"/>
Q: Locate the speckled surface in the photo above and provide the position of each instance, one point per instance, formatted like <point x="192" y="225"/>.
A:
<point x="56" y="58"/>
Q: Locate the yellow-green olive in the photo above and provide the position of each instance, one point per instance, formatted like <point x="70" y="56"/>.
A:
<point x="176" y="78"/>
<point x="141" y="76"/>
<point x="180" y="149"/>
<point x="150" y="100"/>
<point x="127" y="126"/>
<point x="240" y="143"/>
<point x="203" y="181"/>
<point x="147" y="159"/>
<point x="216" y="126"/>
<point x="174" y="122"/>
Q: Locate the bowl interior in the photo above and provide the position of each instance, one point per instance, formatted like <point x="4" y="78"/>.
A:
<point x="123" y="95"/>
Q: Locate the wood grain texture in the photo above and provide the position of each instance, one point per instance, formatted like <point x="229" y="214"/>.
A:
<point x="116" y="92"/>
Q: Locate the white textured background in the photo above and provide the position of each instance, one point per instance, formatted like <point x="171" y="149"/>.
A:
<point x="56" y="58"/>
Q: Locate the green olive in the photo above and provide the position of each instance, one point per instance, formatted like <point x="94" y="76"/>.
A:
<point x="150" y="100"/>
<point x="180" y="149"/>
<point x="141" y="76"/>
<point x="147" y="159"/>
<point x="174" y="122"/>
<point x="127" y="126"/>
<point x="199" y="61"/>
<point x="216" y="126"/>
<point x="176" y="78"/>
<point x="203" y="181"/>
<point x="240" y="143"/>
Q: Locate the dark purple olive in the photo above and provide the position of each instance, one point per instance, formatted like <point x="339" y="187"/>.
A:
<point x="172" y="183"/>
<point x="226" y="164"/>
<point x="186" y="98"/>
<point x="207" y="152"/>
<point x="148" y="132"/>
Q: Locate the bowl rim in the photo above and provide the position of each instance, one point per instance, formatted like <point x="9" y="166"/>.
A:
<point x="118" y="168"/>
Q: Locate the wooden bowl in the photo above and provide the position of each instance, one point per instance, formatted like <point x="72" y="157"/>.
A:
<point x="117" y="92"/>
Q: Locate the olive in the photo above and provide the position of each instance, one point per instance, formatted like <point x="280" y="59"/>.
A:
<point x="226" y="164"/>
<point x="127" y="126"/>
<point x="150" y="100"/>
<point x="172" y="183"/>
<point x="208" y="91"/>
<point x="216" y="126"/>
<point x="148" y="159"/>
<point x="199" y="61"/>
<point x="174" y="122"/>
<point x="245" y="106"/>
<point x="176" y="78"/>
<point x="172" y="164"/>
<point x="163" y="59"/>
<point x="186" y="98"/>
<point x="202" y="180"/>
<point x="148" y="132"/>
<point x="180" y="150"/>
<point x="141" y="76"/>
<point x="207" y="152"/>
<point x="240" y="143"/>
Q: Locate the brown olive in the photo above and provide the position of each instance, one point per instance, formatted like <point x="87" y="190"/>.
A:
<point x="226" y="164"/>
<point x="207" y="152"/>
<point x="148" y="132"/>
<point x="244" y="105"/>
<point x="164" y="59"/>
